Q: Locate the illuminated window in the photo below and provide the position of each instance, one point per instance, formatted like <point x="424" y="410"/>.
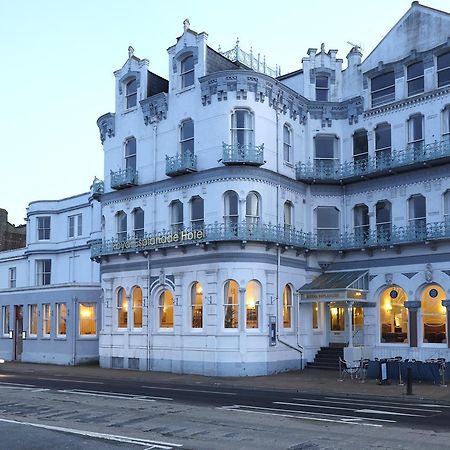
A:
<point x="252" y="304"/>
<point x="122" y="309"/>
<point x="137" y="307"/>
<point x="287" y="143"/>
<point x="315" y="315"/>
<point x="166" y="309"/>
<point x="87" y="319"/>
<point x="131" y="93"/>
<point x="5" y="321"/>
<point x="357" y="318"/>
<point x="32" y="320"/>
<point x="231" y="304"/>
<point x="287" y="307"/>
<point x="46" y="319"/>
<point x="43" y="228"/>
<point x="61" y="311"/>
<point x="434" y="315"/>
<point x="187" y="71"/>
<point x="197" y="305"/>
<point x="337" y="317"/>
<point x="393" y="316"/>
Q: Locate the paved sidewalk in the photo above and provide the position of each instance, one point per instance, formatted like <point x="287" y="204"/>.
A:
<point x="308" y="381"/>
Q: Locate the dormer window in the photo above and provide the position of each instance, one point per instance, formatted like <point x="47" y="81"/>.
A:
<point x="322" y="88"/>
<point x="131" y="93"/>
<point x="187" y="71"/>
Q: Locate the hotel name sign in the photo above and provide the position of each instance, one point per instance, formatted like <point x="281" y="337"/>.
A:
<point x="159" y="239"/>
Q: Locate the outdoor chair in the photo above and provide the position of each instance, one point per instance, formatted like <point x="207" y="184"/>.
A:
<point x="351" y="368"/>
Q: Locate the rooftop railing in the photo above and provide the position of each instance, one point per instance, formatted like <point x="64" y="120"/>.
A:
<point x="414" y="156"/>
<point x="274" y="235"/>
<point x="181" y="164"/>
<point x="124" y="178"/>
<point x="252" y="155"/>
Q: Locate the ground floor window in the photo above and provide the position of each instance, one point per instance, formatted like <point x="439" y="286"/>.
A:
<point x="315" y="315"/>
<point x="166" y="309"/>
<point x="137" y="307"/>
<point x="434" y="315"/>
<point x="393" y="315"/>
<point x="5" y="322"/>
<point x="197" y="305"/>
<point x="231" y="304"/>
<point x="287" y="307"/>
<point x="46" y="314"/>
<point x="252" y="302"/>
<point x="61" y="312"/>
<point x="33" y="320"/>
<point x="88" y="319"/>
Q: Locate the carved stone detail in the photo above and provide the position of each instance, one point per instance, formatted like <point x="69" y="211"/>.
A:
<point x="154" y="108"/>
<point x="107" y="126"/>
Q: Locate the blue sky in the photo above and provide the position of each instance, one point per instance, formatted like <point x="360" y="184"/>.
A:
<point x="58" y="57"/>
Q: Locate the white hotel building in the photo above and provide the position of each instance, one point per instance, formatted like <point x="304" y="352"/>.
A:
<point x="249" y="219"/>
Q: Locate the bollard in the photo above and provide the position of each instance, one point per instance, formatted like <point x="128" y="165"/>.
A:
<point x="409" y="381"/>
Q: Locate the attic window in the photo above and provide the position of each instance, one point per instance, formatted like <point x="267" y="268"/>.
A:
<point x="187" y="71"/>
<point x="443" y="69"/>
<point x="383" y="89"/>
<point x="131" y="93"/>
<point x="322" y="88"/>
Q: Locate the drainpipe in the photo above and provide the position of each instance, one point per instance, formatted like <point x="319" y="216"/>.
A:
<point x="147" y="254"/>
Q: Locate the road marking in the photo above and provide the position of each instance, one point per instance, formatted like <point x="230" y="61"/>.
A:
<point x="40" y="390"/>
<point x="189" y="390"/>
<point x="72" y="381"/>
<point x="390" y="403"/>
<point x="117" y="395"/>
<point x="348" y="402"/>
<point x="105" y="436"/>
<point x="17" y="384"/>
<point x="313" y="406"/>
<point x="392" y="413"/>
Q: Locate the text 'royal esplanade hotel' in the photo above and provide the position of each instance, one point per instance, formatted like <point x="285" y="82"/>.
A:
<point x="248" y="218"/>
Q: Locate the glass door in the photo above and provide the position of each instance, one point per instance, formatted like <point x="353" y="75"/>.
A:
<point x="337" y="323"/>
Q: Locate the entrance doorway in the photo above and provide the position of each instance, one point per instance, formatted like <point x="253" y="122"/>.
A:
<point x="338" y="327"/>
<point x="18" y="328"/>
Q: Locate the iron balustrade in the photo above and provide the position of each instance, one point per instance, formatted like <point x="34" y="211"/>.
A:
<point x="124" y="178"/>
<point x="274" y="235"/>
<point x="249" y="154"/>
<point x="97" y="188"/>
<point x="181" y="164"/>
<point x="387" y="161"/>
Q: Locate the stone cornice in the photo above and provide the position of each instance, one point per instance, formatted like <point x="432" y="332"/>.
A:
<point x="154" y="108"/>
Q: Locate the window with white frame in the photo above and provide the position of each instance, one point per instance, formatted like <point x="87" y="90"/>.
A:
<point x="166" y="309"/>
<point x="322" y="88"/>
<point x="61" y="321"/>
<point x="130" y="154"/>
<point x="288" y="215"/>
<point x="446" y="123"/>
<point x="417" y="212"/>
<point x="252" y="304"/>
<point x="187" y="71"/>
<point x="131" y="93"/>
<point x="443" y="69"/>
<point x="87" y="318"/>
<point x="43" y="228"/>
<point x="242" y="132"/>
<point x="12" y="277"/>
<point x="187" y="137"/>
<point x="383" y="219"/>
<point x="252" y="208"/>
<point x="287" y="143"/>
<point x="32" y="320"/>
<point x="327" y="219"/>
<point x="415" y="133"/>
<point x="446" y="198"/>
<point x="382" y="89"/>
<point x="360" y="148"/>
<point x="361" y="222"/>
<point x="75" y="225"/>
<point x="315" y="315"/>
<point x="176" y="216"/>
<point x="5" y="320"/>
<point x="383" y="145"/>
<point x="197" y="305"/>
<point x="197" y="212"/>
<point x="137" y="307"/>
<point x="122" y="309"/>
<point x="325" y="151"/>
<point x="46" y="319"/>
<point x="287" y="307"/>
<point x="231" y="304"/>
<point x="121" y="225"/>
<point x="231" y="209"/>
<point x="138" y="223"/>
<point x="43" y="272"/>
<point x="414" y="75"/>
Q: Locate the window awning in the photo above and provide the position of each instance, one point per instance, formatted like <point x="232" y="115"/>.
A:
<point x="337" y="287"/>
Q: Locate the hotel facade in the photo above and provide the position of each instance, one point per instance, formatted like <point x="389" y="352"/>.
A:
<point x="247" y="218"/>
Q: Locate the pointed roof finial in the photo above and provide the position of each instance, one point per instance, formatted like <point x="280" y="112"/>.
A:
<point x="186" y="24"/>
<point x="322" y="47"/>
<point x="130" y="51"/>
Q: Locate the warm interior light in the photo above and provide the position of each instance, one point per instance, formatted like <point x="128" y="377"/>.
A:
<point x="85" y="312"/>
<point x="198" y="288"/>
<point x="388" y="307"/>
<point x="334" y="312"/>
<point x="358" y="294"/>
<point x="251" y="303"/>
<point x="125" y="305"/>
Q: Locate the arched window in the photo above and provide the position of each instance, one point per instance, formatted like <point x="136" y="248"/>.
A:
<point x="361" y="222"/>
<point x="434" y="315"/>
<point x="187" y="71"/>
<point x="187" y="137"/>
<point x="137" y="307"/>
<point x="360" y="149"/>
<point x="121" y="224"/>
<point x="231" y="304"/>
<point x="383" y="145"/>
<point x="131" y="93"/>
<point x="130" y="154"/>
<point x="197" y="212"/>
<point x="418" y="215"/>
<point x="322" y="88"/>
<point x="138" y="219"/>
<point x="288" y="216"/>
<point x="242" y="133"/>
<point x="231" y="205"/>
<point x="252" y="304"/>
<point x="393" y="315"/>
<point x="287" y="307"/>
<point x="122" y="309"/>
<point x="383" y="217"/>
<point x="287" y="143"/>
<point x="166" y="309"/>
<point x="176" y="215"/>
<point x="252" y="209"/>
<point x="197" y="305"/>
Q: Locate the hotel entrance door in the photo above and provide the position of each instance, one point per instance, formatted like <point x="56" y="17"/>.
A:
<point x="18" y="328"/>
<point x="337" y="324"/>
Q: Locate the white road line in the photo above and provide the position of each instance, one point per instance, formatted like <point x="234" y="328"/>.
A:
<point x="353" y="402"/>
<point x="308" y="405"/>
<point x="93" y="434"/>
<point x="189" y="390"/>
<point x="16" y="384"/>
<point x="388" y="403"/>
<point x="72" y="381"/>
<point x="117" y="395"/>
<point x="392" y="413"/>
<point x="40" y="390"/>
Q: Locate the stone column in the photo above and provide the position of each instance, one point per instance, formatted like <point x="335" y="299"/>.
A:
<point x="446" y="304"/>
<point x="350" y="323"/>
<point x="412" y="320"/>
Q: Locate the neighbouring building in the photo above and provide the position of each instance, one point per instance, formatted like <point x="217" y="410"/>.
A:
<point x="11" y="236"/>
<point x="248" y="218"/>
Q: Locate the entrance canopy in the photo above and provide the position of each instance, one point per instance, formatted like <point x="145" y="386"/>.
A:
<point x="337" y="287"/>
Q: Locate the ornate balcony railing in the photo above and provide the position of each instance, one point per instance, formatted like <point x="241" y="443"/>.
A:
<point x="252" y="155"/>
<point x="414" y="156"/>
<point x="97" y="188"/>
<point x="274" y="235"/>
<point x="181" y="164"/>
<point x="124" y="178"/>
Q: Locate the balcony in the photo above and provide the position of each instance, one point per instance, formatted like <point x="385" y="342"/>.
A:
<point x="275" y="235"/>
<point x="251" y="155"/>
<point x="181" y="164"/>
<point x="124" y="178"/>
<point x="415" y="156"/>
<point x="97" y="188"/>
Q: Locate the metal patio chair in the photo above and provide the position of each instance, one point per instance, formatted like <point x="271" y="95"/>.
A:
<point x="351" y="368"/>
